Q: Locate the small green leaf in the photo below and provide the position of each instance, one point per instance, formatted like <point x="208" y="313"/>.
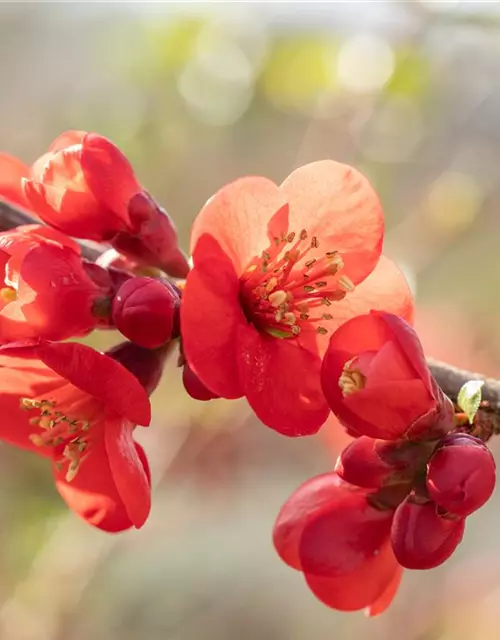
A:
<point x="469" y="398"/>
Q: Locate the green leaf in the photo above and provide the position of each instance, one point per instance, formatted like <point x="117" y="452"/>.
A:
<point x="469" y="398"/>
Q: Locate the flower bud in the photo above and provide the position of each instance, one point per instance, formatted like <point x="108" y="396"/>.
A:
<point x="194" y="386"/>
<point x="461" y="474"/>
<point x="144" y="311"/>
<point x="376" y="380"/>
<point x="364" y="463"/>
<point x="421" y="538"/>
<point x="145" y="364"/>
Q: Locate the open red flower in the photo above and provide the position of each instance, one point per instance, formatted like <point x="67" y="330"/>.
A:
<point x="79" y="407"/>
<point x="46" y="291"/>
<point x="329" y="530"/>
<point x="276" y="270"/>
<point x="377" y="382"/>
<point x="84" y="186"/>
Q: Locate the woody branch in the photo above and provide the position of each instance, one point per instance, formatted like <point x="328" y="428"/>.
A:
<point x="449" y="378"/>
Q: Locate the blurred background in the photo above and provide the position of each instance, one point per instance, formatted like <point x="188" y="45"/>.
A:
<point x="196" y="95"/>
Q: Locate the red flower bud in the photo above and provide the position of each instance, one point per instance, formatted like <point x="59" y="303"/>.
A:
<point x="365" y="463"/>
<point x="377" y="382"/>
<point x="421" y="538"/>
<point x="328" y="530"/>
<point x="194" y="386"/>
<point x="461" y="474"/>
<point x="145" y="364"/>
<point x="144" y="311"/>
<point x="85" y="187"/>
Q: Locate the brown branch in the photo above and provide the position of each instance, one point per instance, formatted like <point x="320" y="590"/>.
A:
<point x="449" y="378"/>
<point x="11" y="216"/>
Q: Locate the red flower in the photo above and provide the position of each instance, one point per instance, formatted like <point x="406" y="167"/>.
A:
<point x="329" y="530"/>
<point x="421" y="537"/>
<point x="377" y="382"/>
<point x="276" y="269"/>
<point x="79" y="408"/>
<point x="46" y="291"/>
<point x="85" y="187"/>
<point x="144" y="311"/>
<point x="12" y="172"/>
<point x="461" y="474"/>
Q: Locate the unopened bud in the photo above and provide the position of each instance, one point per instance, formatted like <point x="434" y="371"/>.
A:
<point x="194" y="386"/>
<point x="421" y="538"/>
<point x="145" y="364"/>
<point x="461" y="474"/>
<point x="144" y="311"/>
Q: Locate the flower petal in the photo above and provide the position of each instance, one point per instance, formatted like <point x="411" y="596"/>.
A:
<point x="281" y="381"/>
<point x="360" y="588"/>
<point x="210" y="316"/>
<point x="340" y="540"/>
<point x="55" y="293"/>
<point x="12" y="171"/>
<point x="109" y="174"/>
<point x="73" y="212"/>
<point x="92" y="494"/>
<point x="94" y="373"/>
<point x="304" y="504"/>
<point x="238" y="216"/>
<point x="387" y="596"/>
<point x="337" y="204"/>
<point x="127" y="470"/>
<point x="24" y="379"/>
<point x="67" y="139"/>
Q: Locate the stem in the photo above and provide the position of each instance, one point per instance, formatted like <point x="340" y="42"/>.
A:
<point x="449" y="378"/>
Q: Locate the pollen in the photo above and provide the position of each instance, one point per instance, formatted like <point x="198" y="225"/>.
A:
<point x="8" y="294"/>
<point x="284" y="289"/>
<point x="351" y="379"/>
<point x="58" y="430"/>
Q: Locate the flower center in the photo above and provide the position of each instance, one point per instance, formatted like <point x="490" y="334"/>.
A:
<point x="351" y="379"/>
<point x="8" y="294"/>
<point x="68" y="434"/>
<point x="285" y="291"/>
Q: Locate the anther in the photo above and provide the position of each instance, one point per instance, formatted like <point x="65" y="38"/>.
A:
<point x="346" y="283"/>
<point x="303" y="234"/>
<point x="327" y="316"/>
<point x="271" y="284"/>
<point x="322" y="330"/>
<point x="321" y="283"/>
<point x="308" y="288"/>
<point x="277" y="298"/>
<point x="310" y="263"/>
<point x="314" y="242"/>
<point x="291" y="237"/>
<point x="289" y="318"/>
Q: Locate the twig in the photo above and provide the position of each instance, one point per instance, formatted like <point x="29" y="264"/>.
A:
<point x="11" y="216"/>
<point x="449" y="378"/>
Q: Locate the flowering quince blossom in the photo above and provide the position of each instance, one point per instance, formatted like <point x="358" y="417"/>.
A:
<point x="276" y="270"/>
<point x="47" y="292"/>
<point x="85" y="187"/>
<point x="78" y="408"/>
<point x="377" y="382"/>
<point x="329" y="530"/>
<point x="144" y="311"/>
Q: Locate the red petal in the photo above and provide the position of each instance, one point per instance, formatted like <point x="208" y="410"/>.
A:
<point x="281" y="381"/>
<point x="337" y="204"/>
<point x="304" y="504"/>
<point x="127" y="470"/>
<point x="12" y="171"/>
<point x="94" y="373"/>
<point x="93" y="495"/>
<point x="108" y="174"/>
<point x="340" y="540"/>
<point x="360" y="588"/>
<point x="73" y="212"/>
<point x="22" y="379"/>
<point x="385" y="289"/>
<point x="55" y="293"/>
<point x="193" y="385"/>
<point x="210" y="316"/>
<point x="67" y="139"/>
<point x="387" y="596"/>
<point x="237" y="216"/>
